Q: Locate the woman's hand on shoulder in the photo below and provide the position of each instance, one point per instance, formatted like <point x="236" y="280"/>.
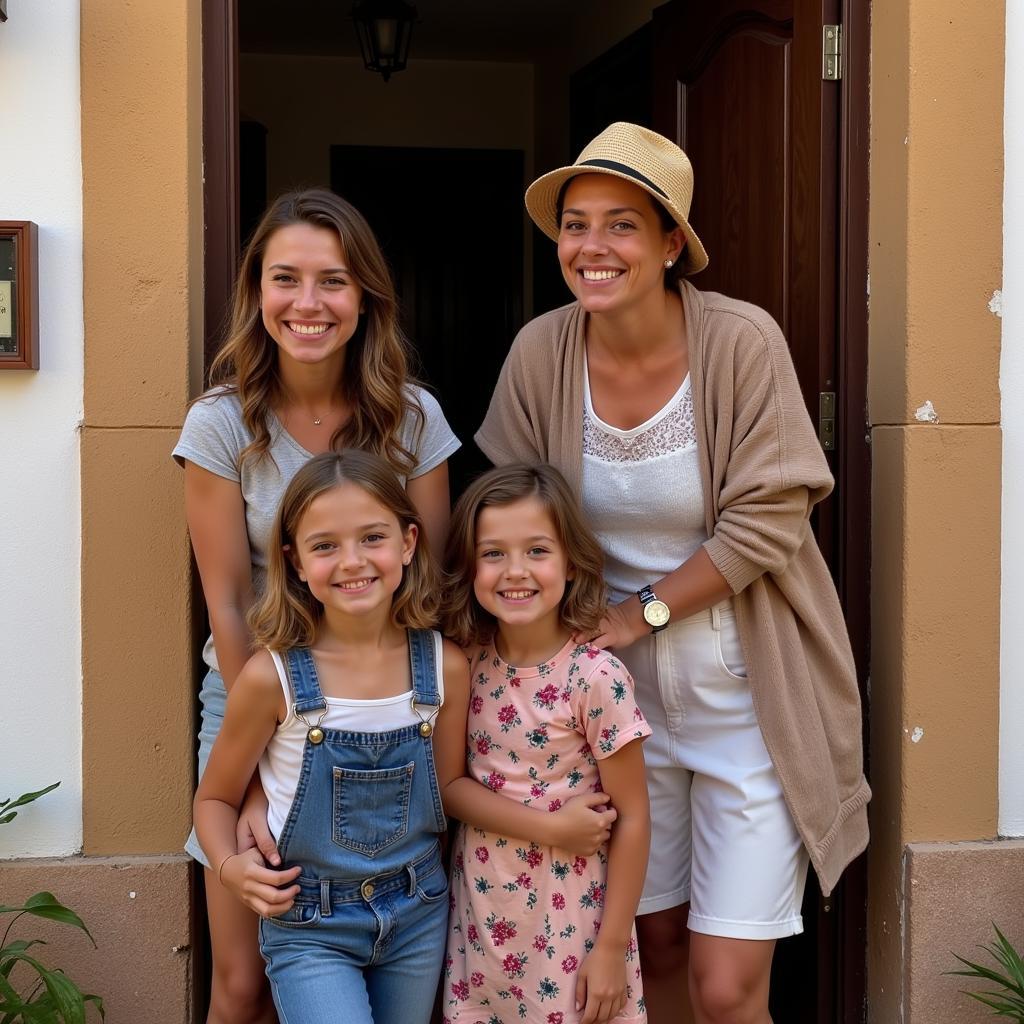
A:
<point x="268" y="892"/>
<point x="621" y="625"/>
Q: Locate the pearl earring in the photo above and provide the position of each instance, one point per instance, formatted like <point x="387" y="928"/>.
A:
<point x="668" y="264"/>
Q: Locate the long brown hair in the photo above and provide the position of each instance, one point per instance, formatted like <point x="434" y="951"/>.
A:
<point x="585" y="598"/>
<point x="376" y="380"/>
<point x="288" y="615"/>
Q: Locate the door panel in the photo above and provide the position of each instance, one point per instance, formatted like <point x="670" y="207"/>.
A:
<point x="740" y="149"/>
<point x="738" y="84"/>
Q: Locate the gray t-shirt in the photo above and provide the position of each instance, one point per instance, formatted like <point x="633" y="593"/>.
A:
<point x="215" y="434"/>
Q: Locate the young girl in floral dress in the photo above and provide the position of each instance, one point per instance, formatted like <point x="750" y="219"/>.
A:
<point x="540" y="932"/>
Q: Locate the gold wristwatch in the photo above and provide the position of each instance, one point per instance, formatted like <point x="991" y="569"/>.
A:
<point x="656" y="613"/>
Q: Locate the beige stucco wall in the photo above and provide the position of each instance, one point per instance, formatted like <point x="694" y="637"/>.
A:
<point x="142" y="211"/>
<point x="935" y="259"/>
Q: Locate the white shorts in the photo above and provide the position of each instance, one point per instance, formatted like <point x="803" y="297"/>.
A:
<point x="722" y="837"/>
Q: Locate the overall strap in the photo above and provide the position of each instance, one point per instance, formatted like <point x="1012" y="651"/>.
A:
<point x="304" y="682"/>
<point x="423" y="662"/>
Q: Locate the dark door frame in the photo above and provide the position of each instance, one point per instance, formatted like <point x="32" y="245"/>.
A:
<point x="854" y="449"/>
<point x="220" y="165"/>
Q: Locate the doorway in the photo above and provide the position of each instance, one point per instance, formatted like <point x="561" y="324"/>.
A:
<point x="462" y="302"/>
<point x="780" y="202"/>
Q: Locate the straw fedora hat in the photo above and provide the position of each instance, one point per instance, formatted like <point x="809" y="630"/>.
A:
<point x="637" y="155"/>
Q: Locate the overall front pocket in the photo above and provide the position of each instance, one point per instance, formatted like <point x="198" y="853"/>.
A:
<point x="371" y="808"/>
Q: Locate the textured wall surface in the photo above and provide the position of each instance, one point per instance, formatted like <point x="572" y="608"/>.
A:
<point x="40" y="412"/>
<point x="138" y="911"/>
<point x="142" y="178"/>
<point x="955" y="891"/>
<point x="935" y="261"/>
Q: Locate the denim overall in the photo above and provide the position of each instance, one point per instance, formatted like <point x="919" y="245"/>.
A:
<point x="365" y="939"/>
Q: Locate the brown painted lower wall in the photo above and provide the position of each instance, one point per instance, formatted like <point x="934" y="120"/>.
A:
<point x="954" y="892"/>
<point x="138" y="911"/>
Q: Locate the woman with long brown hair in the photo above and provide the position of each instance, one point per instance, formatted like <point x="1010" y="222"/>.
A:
<point x="314" y="361"/>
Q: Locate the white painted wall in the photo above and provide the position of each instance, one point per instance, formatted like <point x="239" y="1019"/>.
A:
<point x="1011" y="382"/>
<point x="40" y="531"/>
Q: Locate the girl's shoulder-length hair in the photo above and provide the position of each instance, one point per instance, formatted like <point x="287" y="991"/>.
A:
<point x="376" y="380"/>
<point x="585" y="599"/>
<point x="287" y="614"/>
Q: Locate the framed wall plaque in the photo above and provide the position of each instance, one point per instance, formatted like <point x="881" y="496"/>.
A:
<point x="19" y="295"/>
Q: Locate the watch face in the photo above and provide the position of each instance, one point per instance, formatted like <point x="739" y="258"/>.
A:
<point x="656" y="613"/>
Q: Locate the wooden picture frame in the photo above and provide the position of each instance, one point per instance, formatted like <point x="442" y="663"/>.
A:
<point x="19" y="295"/>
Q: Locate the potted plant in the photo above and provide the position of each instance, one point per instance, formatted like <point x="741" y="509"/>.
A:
<point x="1007" y="998"/>
<point x="31" y="992"/>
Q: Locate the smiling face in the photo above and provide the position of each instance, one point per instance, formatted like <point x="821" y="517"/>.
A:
<point x="351" y="551"/>
<point x="310" y="300"/>
<point x="612" y="245"/>
<point x="521" y="565"/>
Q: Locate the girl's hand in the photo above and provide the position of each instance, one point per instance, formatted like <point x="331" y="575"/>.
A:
<point x="601" y="984"/>
<point x="268" y="892"/>
<point x="622" y="625"/>
<point x="252" y="830"/>
<point x="584" y="823"/>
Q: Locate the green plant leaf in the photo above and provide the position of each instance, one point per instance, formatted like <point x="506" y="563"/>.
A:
<point x="999" y="1006"/>
<point x="10" y="1002"/>
<point x="46" y="905"/>
<point x="7" y="806"/>
<point x="65" y="996"/>
<point x="7" y="952"/>
<point x="40" y="1012"/>
<point x="1007" y="999"/>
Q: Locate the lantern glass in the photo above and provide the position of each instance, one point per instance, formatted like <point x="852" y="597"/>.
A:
<point x="386" y="32"/>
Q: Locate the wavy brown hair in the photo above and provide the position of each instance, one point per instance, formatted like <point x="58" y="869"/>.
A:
<point x="288" y="615"/>
<point x="585" y="598"/>
<point x="375" y="381"/>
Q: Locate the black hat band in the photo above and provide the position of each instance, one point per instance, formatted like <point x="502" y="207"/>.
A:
<point x="614" y="165"/>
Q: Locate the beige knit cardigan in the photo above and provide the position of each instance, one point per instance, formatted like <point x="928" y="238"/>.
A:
<point x="762" y="470"/>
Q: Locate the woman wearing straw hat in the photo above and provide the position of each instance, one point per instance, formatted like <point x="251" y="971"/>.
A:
<point x="677" y="416"/>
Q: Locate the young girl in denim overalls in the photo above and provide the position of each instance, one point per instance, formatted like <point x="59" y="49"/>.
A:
<point x="356" y="715"/>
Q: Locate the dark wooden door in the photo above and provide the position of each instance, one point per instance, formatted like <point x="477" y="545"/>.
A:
<point x="738" y="84"/>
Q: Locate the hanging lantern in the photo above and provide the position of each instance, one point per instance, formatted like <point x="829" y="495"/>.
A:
<point x="384" y="28"/>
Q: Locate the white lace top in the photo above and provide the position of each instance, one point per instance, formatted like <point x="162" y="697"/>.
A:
<point x="642" y="491"/>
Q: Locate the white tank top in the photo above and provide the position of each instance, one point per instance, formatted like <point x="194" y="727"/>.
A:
<point x="281" y="762"/>
<point x="642" y="491"/>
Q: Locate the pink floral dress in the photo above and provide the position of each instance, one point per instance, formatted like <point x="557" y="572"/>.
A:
<point x="524" y="916"/>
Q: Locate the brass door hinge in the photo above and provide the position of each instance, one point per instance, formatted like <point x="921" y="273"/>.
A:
<point x="832" y="52"/>
<point x="827" y="420"/>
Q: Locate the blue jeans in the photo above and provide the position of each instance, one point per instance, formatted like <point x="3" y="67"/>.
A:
<point x="213" y="697"/>
<point x="374" y="959"/>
